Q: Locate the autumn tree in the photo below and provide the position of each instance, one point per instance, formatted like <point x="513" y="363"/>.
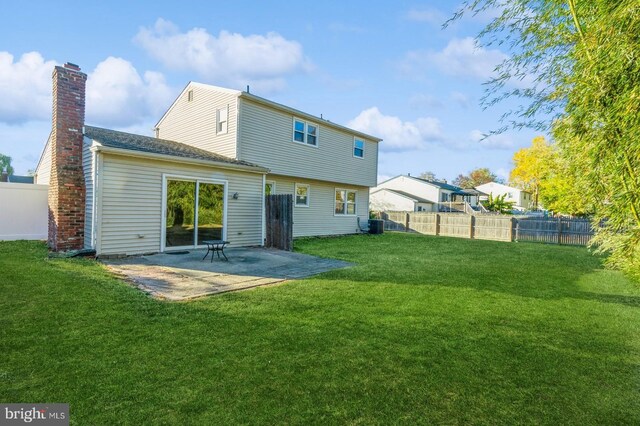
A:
<point x="476" y="177"/>
<point x="532" y="166"/>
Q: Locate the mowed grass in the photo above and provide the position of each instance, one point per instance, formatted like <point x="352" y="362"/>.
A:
<point x="422" y="330"/>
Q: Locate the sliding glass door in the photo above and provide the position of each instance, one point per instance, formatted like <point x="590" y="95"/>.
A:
<point x="210" y="212"/>
<point x="194" y="212"/>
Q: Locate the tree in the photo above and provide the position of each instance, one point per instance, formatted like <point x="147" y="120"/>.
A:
<point x="532" y="166"/>
<point x="428" y="175"/>
<point x="498" y="204"/>
<point x="577" y="65"/>
<point x="476" y="177"/>
<point x="5" y="164"/>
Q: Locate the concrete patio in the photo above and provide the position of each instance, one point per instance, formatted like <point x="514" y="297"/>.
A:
<point x="184" y="275"/>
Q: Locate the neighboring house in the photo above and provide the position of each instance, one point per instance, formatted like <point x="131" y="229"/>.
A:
<point x="120" y="193"/>
<point x="4" y="177"/>
<point x="523" y="200"/>
<point x="428" y="195"/>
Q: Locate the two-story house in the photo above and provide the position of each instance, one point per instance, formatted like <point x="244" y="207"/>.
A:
<point x="216" y="153"/>
<point x="327" y="167"/>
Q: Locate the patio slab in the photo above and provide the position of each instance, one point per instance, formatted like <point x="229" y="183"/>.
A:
<point x="186" y="276"/>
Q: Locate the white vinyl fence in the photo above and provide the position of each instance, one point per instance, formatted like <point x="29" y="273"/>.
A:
<point x="24" y="211"/>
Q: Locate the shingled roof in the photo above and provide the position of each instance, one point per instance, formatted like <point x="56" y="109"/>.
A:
<point x="148" y="144"/>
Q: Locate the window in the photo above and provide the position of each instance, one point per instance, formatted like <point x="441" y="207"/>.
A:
<point x="221" y="120"/>
<point x="269" y="187"/>
<point x="345" y="202"/>
<point x="189" y="95"/>
<point x="358" y="148"/>
<point x="444" y="197"/>
<point x="304" y="132"/>
<point x="302" y="195"/>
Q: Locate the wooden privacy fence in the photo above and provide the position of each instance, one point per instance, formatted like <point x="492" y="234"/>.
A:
<point x="279" y="221"/>
<point x="491" y="227"/>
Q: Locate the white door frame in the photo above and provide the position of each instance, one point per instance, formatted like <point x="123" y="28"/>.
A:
<point x="197" y="180"/>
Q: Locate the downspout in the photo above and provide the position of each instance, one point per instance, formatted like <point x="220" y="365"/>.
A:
<point x="264" y="210"/>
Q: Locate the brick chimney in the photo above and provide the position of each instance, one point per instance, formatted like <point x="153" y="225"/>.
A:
<point x="66" y="185"/>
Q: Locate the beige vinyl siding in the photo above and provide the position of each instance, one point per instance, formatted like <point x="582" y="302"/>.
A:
<point x="88" y="170"/>
<point x="266" y="138"/>
<point x="194" y="123"/>
<point x="131" y="203"/>
<point x="319" y="217"/>
<point x="43" y="171"/>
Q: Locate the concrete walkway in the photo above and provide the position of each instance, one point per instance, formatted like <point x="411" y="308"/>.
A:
<point x="186" y="276"/>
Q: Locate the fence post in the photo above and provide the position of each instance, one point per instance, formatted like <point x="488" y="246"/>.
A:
<point x="437" y="223"/>
<point x="559" y="230"/>
<point x="512" y="223"/>
<point x="406" y="223"/>
<point x="472" y="224"/>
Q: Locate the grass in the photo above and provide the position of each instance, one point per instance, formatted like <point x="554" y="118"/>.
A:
<point x="423" y="330"/>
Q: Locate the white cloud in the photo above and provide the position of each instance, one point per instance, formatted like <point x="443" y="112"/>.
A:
<point x="262" y="61"/>
<point x="491" y="141"/>
<point x="430" y="15"/>
<point x="25" y="88"/>
<point x="503" y="173"/>
<point x="460" y="57"/>
<point x="422" y="100"/>
<point x="398" y="135"/>
<point x="461" y="99"/>
<point x="117" y="95"/>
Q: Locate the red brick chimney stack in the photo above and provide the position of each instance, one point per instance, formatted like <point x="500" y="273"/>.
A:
<point x="66" y="186"/>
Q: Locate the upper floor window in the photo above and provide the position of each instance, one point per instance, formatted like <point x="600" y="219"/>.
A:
<point x="189" y="95"/>
<point x="222" y="115"/>
<point x="305" y="132"/>
<point x="345" y="202"/>
<point x="444" y="196"/>
<point x="302" y="195"/>
<point x="358" y="148"/>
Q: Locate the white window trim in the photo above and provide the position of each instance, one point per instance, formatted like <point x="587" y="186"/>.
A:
<point x="218" y="120"/>
<point x="295" y="194"/>
<point x="273" y="185"/>
<point x="353" y="151"/>
<point x="347" y="190"/>
<point x="306" y="124"/>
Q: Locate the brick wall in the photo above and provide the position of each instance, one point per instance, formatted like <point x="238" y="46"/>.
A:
<point x="66" y="187"/>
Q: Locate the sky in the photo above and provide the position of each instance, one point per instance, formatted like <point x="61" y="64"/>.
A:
<point x="388" y="69"/>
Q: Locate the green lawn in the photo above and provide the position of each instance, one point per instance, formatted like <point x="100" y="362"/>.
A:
<point x="425" y="330"/>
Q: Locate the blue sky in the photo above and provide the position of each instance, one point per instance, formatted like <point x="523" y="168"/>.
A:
<point x="386" y="68"/>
